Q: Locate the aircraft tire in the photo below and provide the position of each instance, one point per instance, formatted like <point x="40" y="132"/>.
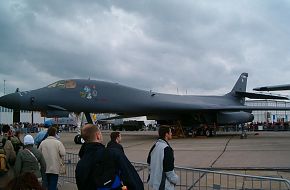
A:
<point x="207" y="133"/>
<point x="213" y="132"/>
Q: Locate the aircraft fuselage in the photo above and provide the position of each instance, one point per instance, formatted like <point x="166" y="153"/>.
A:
<point x="106" y="97"/>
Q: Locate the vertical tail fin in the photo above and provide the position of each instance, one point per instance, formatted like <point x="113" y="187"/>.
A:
<point x="241" y="85"/>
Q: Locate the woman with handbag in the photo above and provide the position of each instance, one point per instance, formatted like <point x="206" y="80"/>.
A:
<point x="30" y="160"/>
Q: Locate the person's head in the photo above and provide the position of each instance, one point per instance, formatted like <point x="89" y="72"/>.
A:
<point x="165" y="132"/>
<point x="116" y="136"/>
<point x="17" y="134"/>
<point x="51" y="131"/>
<point x="26" y="180"/>
<point x="6" y="128"/>
<point x="28" y="140"/>
<point x="91" y="133"/>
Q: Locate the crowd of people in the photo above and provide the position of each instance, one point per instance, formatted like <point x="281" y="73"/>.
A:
<point x="25" y="127"/>
<point x="100" y="167"/>
<point x="26" y="167"/>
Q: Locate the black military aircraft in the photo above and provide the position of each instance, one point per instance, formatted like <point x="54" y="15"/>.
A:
<point x="91" y="96"/>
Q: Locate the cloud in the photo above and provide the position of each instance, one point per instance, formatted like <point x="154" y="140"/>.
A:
<point x="198" y="47"/>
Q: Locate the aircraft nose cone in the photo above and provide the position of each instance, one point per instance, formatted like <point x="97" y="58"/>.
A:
<point x="10" y="101"/>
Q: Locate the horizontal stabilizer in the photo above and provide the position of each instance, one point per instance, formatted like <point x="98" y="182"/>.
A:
<point x="55" y="107"/>
<point x="273" y="88"/>
<point x="260" y="96"/>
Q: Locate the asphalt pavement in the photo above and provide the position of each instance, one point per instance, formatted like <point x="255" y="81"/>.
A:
<point x="261" y="153"/>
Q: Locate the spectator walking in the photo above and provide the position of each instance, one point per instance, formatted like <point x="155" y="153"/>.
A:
<point x="161" y="162"/>
<point x="124" y="168"/>
<point x="92" y="154"/>
<point x="10" y="155"/>
<point x="40" y="136"/>
<point x="53" y="151"/>
<point x="99" y="164"/>
<point x="16" y="142"/>
<point x="115" y="141"/>
<point x="29" y="159"/>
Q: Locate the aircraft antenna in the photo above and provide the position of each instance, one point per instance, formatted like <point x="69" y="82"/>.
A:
<point x="4" y="86"/>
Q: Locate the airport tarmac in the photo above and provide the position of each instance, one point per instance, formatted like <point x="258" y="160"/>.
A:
<point x="262" y="153"/>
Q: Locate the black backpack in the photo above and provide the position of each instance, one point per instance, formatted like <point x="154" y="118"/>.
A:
<point x="106" y="172"/>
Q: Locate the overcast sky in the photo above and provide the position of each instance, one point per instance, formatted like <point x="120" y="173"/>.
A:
<point x="195" y="46"/>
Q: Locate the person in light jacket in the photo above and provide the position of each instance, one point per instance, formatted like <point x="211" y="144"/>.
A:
<point x="161" y="162"/>
<point x="53" y="151"/>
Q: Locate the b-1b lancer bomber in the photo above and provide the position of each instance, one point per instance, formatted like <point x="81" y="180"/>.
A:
<point x="92" y="96"/>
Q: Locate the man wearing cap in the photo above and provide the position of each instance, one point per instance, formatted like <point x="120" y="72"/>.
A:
<point x="29" y="159"/>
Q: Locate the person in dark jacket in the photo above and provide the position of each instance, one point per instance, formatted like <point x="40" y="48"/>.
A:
<point x="92" y="154"/>
<point x="127" y="172"/>
<point x="82" y="150"/>
<point x="115" y="141"/>
<point x="16" y="142"/>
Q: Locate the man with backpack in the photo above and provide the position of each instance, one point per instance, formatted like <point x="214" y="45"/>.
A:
<point x="96" y="168"/>
<point x="7" y="157"/>
<point x="91" y="157"/>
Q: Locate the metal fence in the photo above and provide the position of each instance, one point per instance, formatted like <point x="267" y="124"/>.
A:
<point x="70" y="161"/>
<point x="198" y="179"/>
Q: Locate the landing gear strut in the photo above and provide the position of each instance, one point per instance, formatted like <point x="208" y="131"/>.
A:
<point x="244" y="134"/>
<point x="78" y="139"/>
<point x="178" y="130"/>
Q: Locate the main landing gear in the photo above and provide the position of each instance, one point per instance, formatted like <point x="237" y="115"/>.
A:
<point x="78" y="139"/>
<point x="208" y="132"/>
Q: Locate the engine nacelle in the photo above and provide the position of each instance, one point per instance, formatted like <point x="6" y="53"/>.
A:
<point x="239" y="117"/>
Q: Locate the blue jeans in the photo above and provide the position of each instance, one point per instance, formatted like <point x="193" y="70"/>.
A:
<point x="52" y="181"/>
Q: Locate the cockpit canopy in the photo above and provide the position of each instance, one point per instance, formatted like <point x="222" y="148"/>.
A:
<point x="63" y="84"/>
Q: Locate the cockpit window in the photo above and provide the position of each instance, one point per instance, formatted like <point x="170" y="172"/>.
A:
<point x="70" y="84"/>
<point x="63" y="84"/>
<point x="53" y="85"/>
